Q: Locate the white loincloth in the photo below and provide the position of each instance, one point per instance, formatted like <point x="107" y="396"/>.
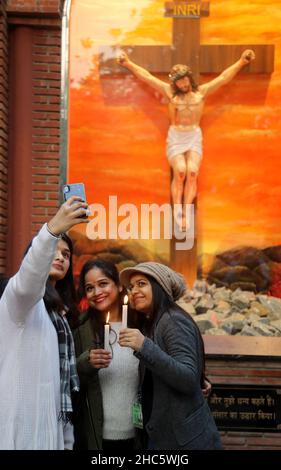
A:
<point x="180" y="141"/>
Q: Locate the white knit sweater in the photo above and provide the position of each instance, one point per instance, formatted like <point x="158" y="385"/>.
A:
<point x="29" y="358"/>
<point x="119" y="385"/>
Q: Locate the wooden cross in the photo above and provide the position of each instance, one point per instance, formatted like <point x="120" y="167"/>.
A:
<point x="186" y="49"/>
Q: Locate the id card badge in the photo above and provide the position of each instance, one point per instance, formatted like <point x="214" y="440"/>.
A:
<point x="137" y="415"/>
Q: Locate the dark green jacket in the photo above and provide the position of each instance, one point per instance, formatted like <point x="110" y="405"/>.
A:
<point x="88" y="410"/>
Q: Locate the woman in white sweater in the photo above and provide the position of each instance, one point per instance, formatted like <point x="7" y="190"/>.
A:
<point x="109" y="378"/>
<point x="37" y="363"/>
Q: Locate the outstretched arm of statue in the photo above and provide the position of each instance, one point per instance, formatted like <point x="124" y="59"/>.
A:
<point x="228" y="74"/>
<point x="143" y="74"/>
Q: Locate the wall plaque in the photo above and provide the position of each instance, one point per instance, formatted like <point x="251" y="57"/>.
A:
<point x="246" y="408"/>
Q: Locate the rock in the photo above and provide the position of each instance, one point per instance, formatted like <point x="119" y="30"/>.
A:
<point x="249" y="331"/>
<point x="204" y="323"/>
<point x="242" y="313"/>
<point x="223" y="307"/>
<point x="222" y="293"/>
<point x="200" y="286"/>
<point x="242" y="299"/>
<point x="272" y="303"/>
<point x="276" y="324"/>
<point x="259" y="309"/>
<point x="205" y="303"/>
<point x="236" y="274"/>
<point x="264" y="272"/>
<point x="247" y="256"/>
<point x="274" y="253"/>
<point x="187" y="306"/>
<point x="219" y="283"/>
<point x="125" y="249"/>
<point x="129" y="263"/>
<point x="112" y="257"/>
<point x="251" y="317"/>
<point x="195" y="294"/>
<point x="216" y="332"/>
<point x="264" y="330"/>
<point x="248" y="286"/>
<point x="234" y="323"/>
<point x="214" y="317"/>
<point x="247" y="268"/>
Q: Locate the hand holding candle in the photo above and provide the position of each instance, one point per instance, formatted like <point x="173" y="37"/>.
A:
<point x="106" y="333"/>
<point x="125" y="312"/>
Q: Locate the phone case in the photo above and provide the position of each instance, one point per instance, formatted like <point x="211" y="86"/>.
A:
<point x="76" y="189"/>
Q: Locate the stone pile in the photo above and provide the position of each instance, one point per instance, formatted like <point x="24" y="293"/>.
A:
<point x="222" y="311"/>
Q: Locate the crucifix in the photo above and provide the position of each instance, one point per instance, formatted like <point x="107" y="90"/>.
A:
<point x="186" y="49"/>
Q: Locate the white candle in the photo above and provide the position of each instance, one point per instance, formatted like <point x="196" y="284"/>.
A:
<point x="125" y="312"/>
<point x="106" y="334"/>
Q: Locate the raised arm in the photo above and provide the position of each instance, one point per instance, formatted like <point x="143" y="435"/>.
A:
<point x="144" y="75"/>
<point x="27" y="286"/>
<point x="228" y="74"/>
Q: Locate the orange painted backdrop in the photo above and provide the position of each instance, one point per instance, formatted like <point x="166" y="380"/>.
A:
<point x="118" y="127"/>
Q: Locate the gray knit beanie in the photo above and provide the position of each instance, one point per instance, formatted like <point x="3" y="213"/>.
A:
<point x="172" y="282"/>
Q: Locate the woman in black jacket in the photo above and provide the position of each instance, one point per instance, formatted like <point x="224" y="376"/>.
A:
<point x="171" y="353"/>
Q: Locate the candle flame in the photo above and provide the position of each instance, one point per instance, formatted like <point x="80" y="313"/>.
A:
<point x="126" y="299"/>
<point x="107" y="318"/>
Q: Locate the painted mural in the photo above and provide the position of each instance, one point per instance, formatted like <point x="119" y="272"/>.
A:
<point x="118" y="127"/>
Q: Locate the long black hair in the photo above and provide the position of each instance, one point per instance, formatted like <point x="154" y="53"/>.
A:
<point x="62" y="296"/>
<point x="3" y="282"/>
<point x="97" y="318"/>
<point x="162" y="303"/>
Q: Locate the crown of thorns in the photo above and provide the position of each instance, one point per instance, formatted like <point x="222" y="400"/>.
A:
<point x="179" y="73"/>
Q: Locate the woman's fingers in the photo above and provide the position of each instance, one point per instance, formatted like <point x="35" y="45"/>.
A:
<point x="100" y="358"/>
<point x="72" y="212"/>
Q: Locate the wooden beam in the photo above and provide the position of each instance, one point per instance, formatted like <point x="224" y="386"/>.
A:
<point x="156" y="59"/>
<point x="185" y="261"/>
<point x="215" y="58"/>
<point x="211" y="58"/>
<point x="186" y="41"/>
<point x="241" y="347"/>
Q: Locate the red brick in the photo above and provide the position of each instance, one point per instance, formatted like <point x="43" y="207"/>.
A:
<point x="46" y="140"/>
<point x="45" y="163"/>
<point x="46" y="187"/>
<point x="49" y="124"/>
<point x="44" y="203"/>
<point x="39" y="211"/>
<point x="45" y="91"/>
<point x="45" y="107"/>
<point x="47" y="75"/>
<point x="39" y="179"/>
<point x="46" y="171"/>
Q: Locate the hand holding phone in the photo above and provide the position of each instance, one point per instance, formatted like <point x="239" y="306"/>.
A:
<point x="76" y="189"/>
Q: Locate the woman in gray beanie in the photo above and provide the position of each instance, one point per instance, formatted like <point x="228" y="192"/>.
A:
<point x="171" y="353"/>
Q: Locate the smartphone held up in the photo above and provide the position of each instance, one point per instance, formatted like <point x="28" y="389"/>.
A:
<point x="75" y="189"/>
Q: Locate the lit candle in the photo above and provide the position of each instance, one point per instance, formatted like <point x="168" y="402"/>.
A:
<point x="125" y="312"/>
<point x="106" y="334"/>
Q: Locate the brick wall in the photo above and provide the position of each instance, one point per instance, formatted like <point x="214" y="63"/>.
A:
<point x="45" y="125"/>
<point x="35" y="7"/>
<point x="3" y="133"/>
<point x="44" y="20"/>
<point x="228" y="364"/>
